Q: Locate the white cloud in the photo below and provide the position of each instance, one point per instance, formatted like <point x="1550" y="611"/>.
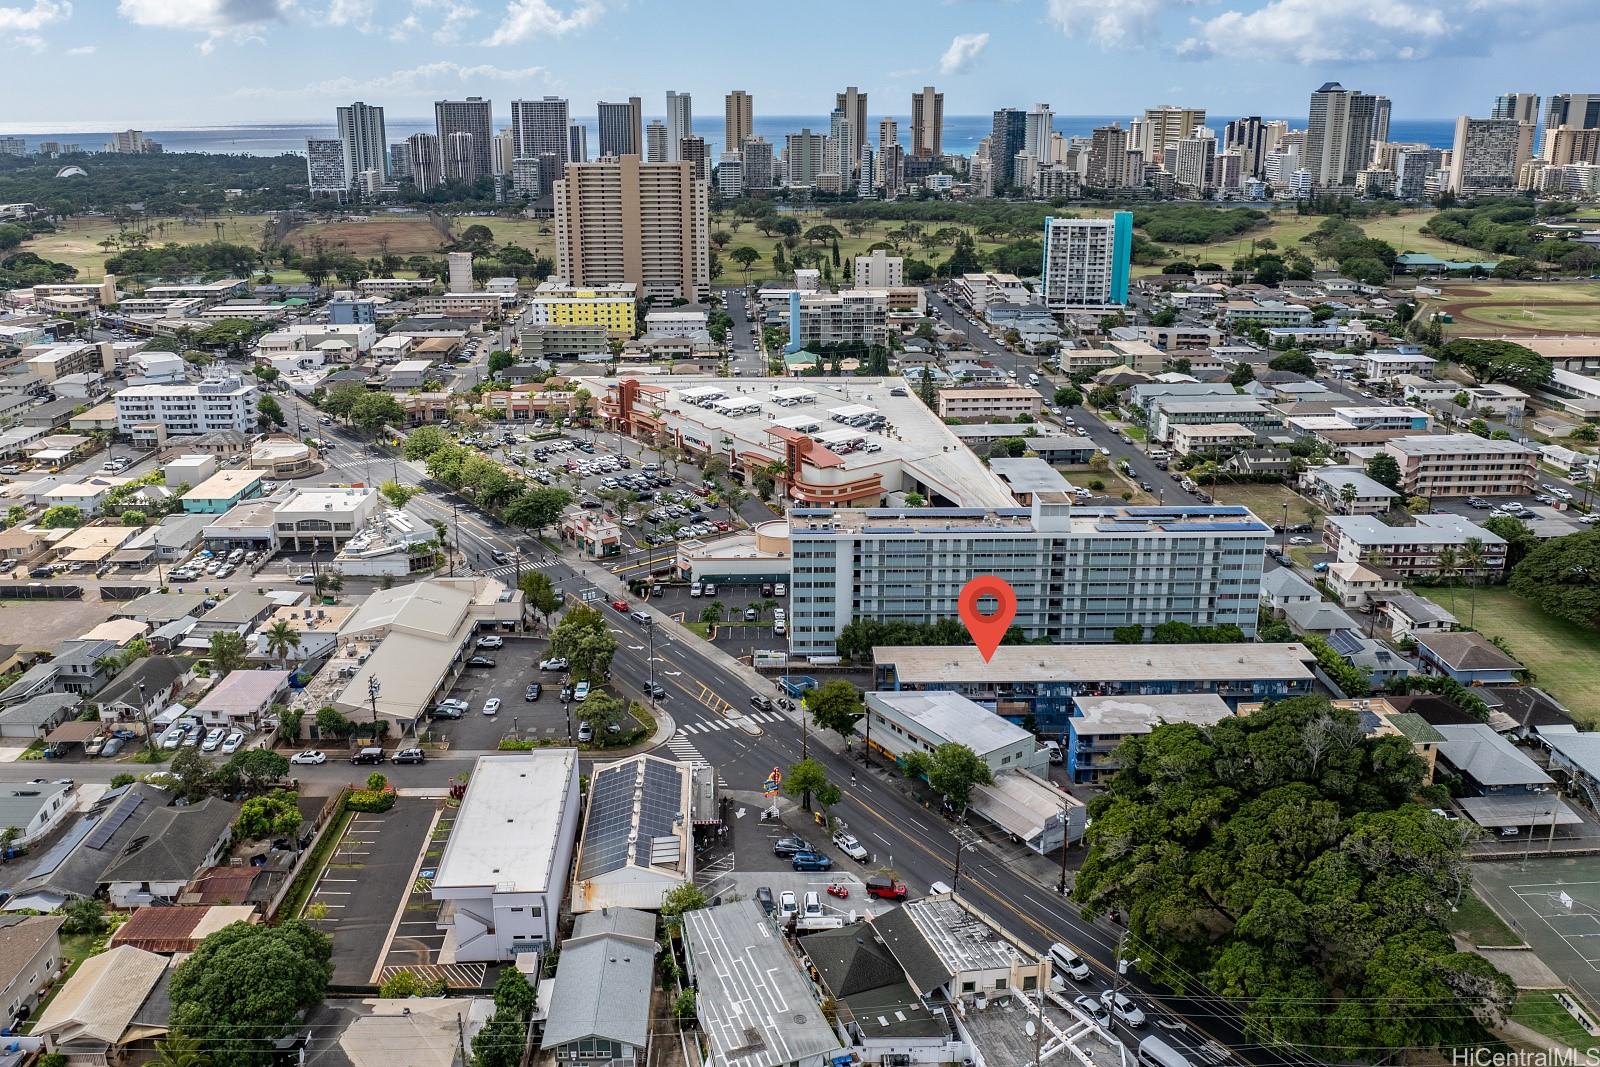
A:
<point x="416" y="82"/>
<point x="1321" y="31"/>
<point x="356" y="13"/>
<point x="24" y="20"/>
<point x="217" y="19"/>
<point x="82" y="50"/>
<point x="540" y="18"/>
<point x="964" y="48"/>
<point x="1111" y="23"/>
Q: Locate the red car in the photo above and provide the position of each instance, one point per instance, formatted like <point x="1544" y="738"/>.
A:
<point x="620" y="604"/>
<point x="701" y="490"/>
<point x="886" y="888"/>
<point x="722" y="525"/>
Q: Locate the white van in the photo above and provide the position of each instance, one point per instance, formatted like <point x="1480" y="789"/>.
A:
<point x="1154" y="1052"/>
<point x="1065" y="961"/>
<point x="1033" y="379"/>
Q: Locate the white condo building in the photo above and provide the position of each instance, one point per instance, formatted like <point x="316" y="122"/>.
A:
<point x="1078" y="572"/>
<point x="224" y="403"/>
<point x="1086" y="262"/>
<point x="880" y="270"/>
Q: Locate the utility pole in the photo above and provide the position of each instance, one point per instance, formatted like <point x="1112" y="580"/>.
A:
<point x="805" y="733"/>
<point x="650" y="632"/>
<point x="1061" y="887"/>
<point x="144" y="715"/>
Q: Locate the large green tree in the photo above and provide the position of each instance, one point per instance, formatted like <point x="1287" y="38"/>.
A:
<point x="247" y="985"/>
<point x="836" y="706"/>
<point x="1385" y="470"/>
<point x="588" y="644"/>
<point x="1499" y="361"/>
<point x="1281" y="861"/>
<point x="1562" y="576"/>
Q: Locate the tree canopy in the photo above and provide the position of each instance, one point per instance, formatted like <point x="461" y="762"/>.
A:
<point x="1385" y="470"/>
<point x="588" y="644"/>
<point x="1562" y="576"/>
<point x="1281" y="861"/>
<point x="1500" y="361"/>
<point x="246" y="985"/>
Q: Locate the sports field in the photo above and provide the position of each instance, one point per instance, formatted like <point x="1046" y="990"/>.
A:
<point x="1565" y="307"/>
<point x="1560" y="654"/>
<point x="1554" y="906"/>
<point x="80" y="241"/>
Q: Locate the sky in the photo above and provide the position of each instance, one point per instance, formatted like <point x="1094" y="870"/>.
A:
<point x="99" y="64"/>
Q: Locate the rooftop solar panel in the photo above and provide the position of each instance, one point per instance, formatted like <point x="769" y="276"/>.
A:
<point x="113" y="820"/>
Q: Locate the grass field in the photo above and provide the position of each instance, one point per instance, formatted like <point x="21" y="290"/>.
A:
<point x="1286" y="228"/>
<point x="1522" y="307"/>
<point x="1267" y="502"/>
<point x="77" y="242"/>
<point x="1560" y="654"/>
<point x="1476" y="922"/>
<point x="1538" y="1010"/>
<point x="401" y="235"/>
<point x="536" y="235"/>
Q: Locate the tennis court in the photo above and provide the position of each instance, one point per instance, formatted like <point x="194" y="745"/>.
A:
<point x="1553" y="905"/>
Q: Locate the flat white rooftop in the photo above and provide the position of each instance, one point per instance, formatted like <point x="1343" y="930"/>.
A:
<point x="952" y="717"/>
<point x="507" y="830"/>
<point x="927" y="665"/>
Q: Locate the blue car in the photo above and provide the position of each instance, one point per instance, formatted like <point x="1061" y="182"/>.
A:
<point x="810" y="861"/>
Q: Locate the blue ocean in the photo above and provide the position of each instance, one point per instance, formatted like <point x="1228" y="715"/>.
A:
<point x="961" y="132"/>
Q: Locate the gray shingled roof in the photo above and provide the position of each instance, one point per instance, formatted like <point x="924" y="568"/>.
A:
<point x="1487" y="758"/>
<point x="603" y="980"/>
<point x="921" y="964"/>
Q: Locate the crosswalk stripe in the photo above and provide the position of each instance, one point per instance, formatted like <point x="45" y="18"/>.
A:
<point x="505" y="569"/>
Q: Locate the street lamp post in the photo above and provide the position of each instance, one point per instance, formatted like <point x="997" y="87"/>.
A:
<point x="566" y="709"/>
<point x="650" y="633"/>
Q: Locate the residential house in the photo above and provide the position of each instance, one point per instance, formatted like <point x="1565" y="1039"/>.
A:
<point x="981" y="958"/>
<point x="1409" y="615"/>
<point x="1468" y="657"/>
<point x="144" y="687"/>
<point x="34" y="809"/>
<point x="169" y="931"/>
<point x="30" y="956"/>
<point x="876" y="1008"/>
<point x="1320" y="618"/>
<point x="78" y="667"/>
<point x="600" y="1012"/>
<point x="1281" y="587"/>
<point x="243" y="698"/>
<point x="1348" y="490"/>
<point x="101" y="1010"/>
<point x="172" y="844"/>
<point x="38" y="715"/>
<point x="1360" y="585"/>
<point x="372" y="1032"/>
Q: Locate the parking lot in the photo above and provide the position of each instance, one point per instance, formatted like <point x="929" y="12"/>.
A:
<point x="369" y="876"/>
<point x="748" y="614"/>
<point x="516" y="665"/>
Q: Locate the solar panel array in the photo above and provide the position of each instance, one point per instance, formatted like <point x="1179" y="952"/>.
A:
<point x="58" y="853"/>
<point x="113" y="820"/>
<point x="611" y="819"/>
<point x="660" y="809"/>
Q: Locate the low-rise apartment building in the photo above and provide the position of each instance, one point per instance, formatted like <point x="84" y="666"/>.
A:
<point x="1220" y="438"/>
<point x="1413" y="551"/>
<point x="989" y="405"/>
<point x="1268" y="313"/>
<point x="980" y="290"/>
<point x="1382" y="363"/>
<point x="1464" y="464"/>
<point x="155" y="412"/>
<point x="853" y="317"/>
<point x="613" y="306"/>
<point x="1250" y="412"/>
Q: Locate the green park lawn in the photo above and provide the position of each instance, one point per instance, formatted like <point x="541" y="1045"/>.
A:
<point x="1560" y="654"/>
<point x="1477" y="922"/>
<point x="1538" y="1010"/>
<point x="77" y="242"/>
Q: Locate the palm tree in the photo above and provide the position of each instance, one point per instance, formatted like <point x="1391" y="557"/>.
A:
<point x="1473" y="558"/>
<point x="281" y="639"/>
<point x="1449" y="563"/>
<point x="176" y="1050"/>
<point x="1347" y="495"/>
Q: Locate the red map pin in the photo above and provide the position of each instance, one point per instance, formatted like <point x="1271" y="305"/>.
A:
<point x="987" y="630"/>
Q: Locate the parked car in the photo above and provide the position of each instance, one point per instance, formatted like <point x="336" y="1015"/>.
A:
<point x="231" y="744"/>
<point x="850" y="846"/>
<point x="305" y="579"/>
<point x="585" y="731"/>
<point x="788" y="905"/>
<point x="410" y="755"/>
<point x="368" y="755"/>
<point x="764" y="898"/>
<point x="491" y="641"/>
<point x="112" y="746"/>
<point x="810" y="861"/>
<point x="213" y="741"/>
<point x="480" y="661"/>
<point x="450" y="708"/>
<point x="554" y="663"/>
<point x="789" y="846"/>
<point x="580" y="693"/>
<point x="491" y="706"/>
<point x="886" y="888"/>
<point x="533" y="692"/>
<point x="780" y="589"/>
